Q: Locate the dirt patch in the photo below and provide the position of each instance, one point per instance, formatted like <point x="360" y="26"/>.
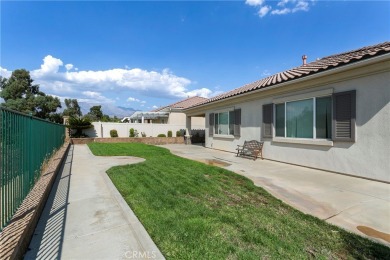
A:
<point x="214" y="162"/>
<point x="374" y="233"/>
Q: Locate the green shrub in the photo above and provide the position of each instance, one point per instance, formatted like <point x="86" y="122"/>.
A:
<point x="178" y="133"/>
<point x="169" y="133"/>
<point x="131" y="132"/>
<point x="78" y="124"/>
<point x="161" y="135"/>
<point x="113" y="133"/>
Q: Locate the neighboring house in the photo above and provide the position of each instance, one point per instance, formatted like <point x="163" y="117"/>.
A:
<point x="331" y="114"/>
<point x="172" y="114"/>
<point x="126" y="119"/>
<point x="142" y="117"/>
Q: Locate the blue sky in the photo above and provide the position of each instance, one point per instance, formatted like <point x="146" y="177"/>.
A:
<point x="145" y="54"/>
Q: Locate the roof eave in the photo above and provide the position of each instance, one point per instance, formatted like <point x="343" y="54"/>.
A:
<point x="339" y="69"/>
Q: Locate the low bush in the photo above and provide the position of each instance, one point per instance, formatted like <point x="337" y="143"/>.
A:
<point x="181" y="132"/>
<point x="169" y="133"/>
<point x="161" y="135"/>
<point x="131" y="132"/>
<point x="113" y="133"/>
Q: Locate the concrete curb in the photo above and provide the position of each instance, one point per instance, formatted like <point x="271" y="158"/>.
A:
<point x="140" y="232"/>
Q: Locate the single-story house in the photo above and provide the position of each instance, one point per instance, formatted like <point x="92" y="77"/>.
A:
<point x="331" y="114"/>
<point x="171" y="114"/>
<point x="143" y="117"/>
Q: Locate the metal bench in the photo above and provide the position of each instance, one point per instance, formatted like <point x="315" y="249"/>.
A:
<point x="251" y="148"/>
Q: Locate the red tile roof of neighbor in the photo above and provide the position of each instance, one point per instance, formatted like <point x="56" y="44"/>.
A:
<point x="311" y="68"/>
<point x="183" y="104"/>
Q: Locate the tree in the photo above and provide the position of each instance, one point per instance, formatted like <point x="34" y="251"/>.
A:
<point x="95" y="113"/>
<point x="20" y="94"/>
<point x="72" y="108"/>
<point x="56" y="118"/>
<point x="79" y="124"/>
<point x="106" y="118"/>
<point x="46" y="105"/>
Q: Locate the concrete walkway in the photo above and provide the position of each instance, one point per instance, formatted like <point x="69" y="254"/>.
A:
<point x="85" y="217"/>
<point x="355" y="204"/>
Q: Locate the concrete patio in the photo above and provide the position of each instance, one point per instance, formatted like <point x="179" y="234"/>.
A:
<point x="357" y="205"/>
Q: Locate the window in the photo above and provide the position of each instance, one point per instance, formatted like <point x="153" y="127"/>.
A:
<point x="327" y="116"/>
<point x="224" y="123"/>
<point x="279" y="118"/>
<point x="324" y="117"/>
<point x="308" y="118"/>
<point x="299" y="119"/>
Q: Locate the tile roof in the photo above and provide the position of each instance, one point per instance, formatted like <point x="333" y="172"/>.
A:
<point x="311" y="68"/>
<point x="183" y="104"/>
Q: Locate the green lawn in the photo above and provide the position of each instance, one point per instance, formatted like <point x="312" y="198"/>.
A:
<point x="196" y="211"/>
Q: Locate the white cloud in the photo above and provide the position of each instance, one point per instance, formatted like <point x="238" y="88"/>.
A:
<point x="254" y="2"/>
<point x="265" y="73"/>
<point x="91" y="94"/>
<point x="301" y="6"/>
<point x="103" y="86"/>
<point x="49" y="67"/>
<point x="150" y="83"/>
<point x="281" y="11"/>
<point x="131" y="99"/>
<point x="69" y="66"/>
<point x="154" y="107"/>
<point x="95" y="97"/>
<point x="284" y="2"/>
<point x="264" y="10"/>
<point x="282" y="7"/>
<point x="5" y="73"/>
<point x="203" y="92"/>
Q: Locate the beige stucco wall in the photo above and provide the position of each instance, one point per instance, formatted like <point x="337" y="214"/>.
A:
<point x="102" y="129"/>
<point x="177" y="122"/>
<point x="179" y="118"/>
<point x="368" y="157"/>
<point x="198" y="123"/>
